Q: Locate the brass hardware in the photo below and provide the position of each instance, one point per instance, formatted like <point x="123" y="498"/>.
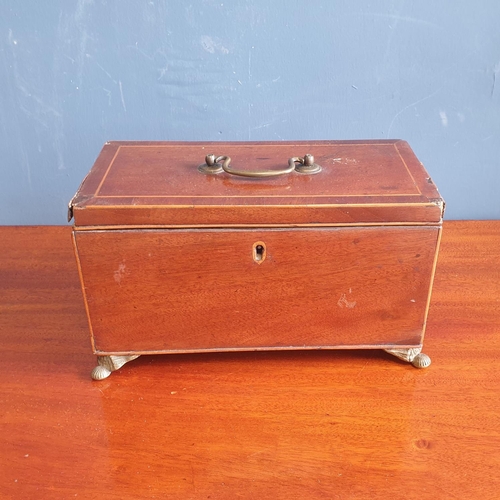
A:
<point x="259" y="252"/>
<point x="305" y="165"/>
<point x="413" y="355"/>
<point x="421" y="361"/>
<point x="248" y="173"/>
<point x="213" y="165"/>
<point x="108" y="364"/>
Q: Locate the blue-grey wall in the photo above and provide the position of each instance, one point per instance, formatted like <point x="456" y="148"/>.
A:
<point x="74" y="74"/>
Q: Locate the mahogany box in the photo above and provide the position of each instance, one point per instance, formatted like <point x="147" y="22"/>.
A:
<point x="196" y="247"/>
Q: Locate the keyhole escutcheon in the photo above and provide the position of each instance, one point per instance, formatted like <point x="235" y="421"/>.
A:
<point x="259" y="252"/>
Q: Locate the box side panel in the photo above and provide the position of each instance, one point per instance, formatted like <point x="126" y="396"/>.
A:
<point x="180" y="290"/>
<point x="79" y="267"/>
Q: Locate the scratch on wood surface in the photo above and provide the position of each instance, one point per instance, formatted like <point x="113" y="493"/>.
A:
<point x="343" y="302"/>
<point x="360" y="371"/>
<point x="119" y="273"/>
<point x="345" y="161"/>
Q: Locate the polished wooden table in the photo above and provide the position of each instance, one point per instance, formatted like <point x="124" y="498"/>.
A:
<point x="333" y="425"/>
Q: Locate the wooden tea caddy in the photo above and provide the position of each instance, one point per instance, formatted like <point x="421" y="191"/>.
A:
<point x="241" y="246"/>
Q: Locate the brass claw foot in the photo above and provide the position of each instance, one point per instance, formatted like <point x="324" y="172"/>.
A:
<point x="413" y="355"/>
<point x="108" y="364"/>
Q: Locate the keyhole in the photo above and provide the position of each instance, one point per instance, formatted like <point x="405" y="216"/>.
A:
<point x="259" y="252"/>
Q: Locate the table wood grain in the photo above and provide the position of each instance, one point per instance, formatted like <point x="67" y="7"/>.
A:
<point x="316" y="424"/>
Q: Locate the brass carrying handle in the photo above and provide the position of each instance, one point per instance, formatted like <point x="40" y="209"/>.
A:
<point x="213" y="165"/>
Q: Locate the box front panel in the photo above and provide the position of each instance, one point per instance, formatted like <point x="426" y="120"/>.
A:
<point x="180" y="290"/>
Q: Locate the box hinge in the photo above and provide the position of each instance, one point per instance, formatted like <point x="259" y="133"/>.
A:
<point x="70" y="210"/>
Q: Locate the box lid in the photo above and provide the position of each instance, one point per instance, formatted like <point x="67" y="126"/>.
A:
<point x="161" y="184"/>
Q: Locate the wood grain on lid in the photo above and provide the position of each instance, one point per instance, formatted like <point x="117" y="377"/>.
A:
<point x="154" y="183"/>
